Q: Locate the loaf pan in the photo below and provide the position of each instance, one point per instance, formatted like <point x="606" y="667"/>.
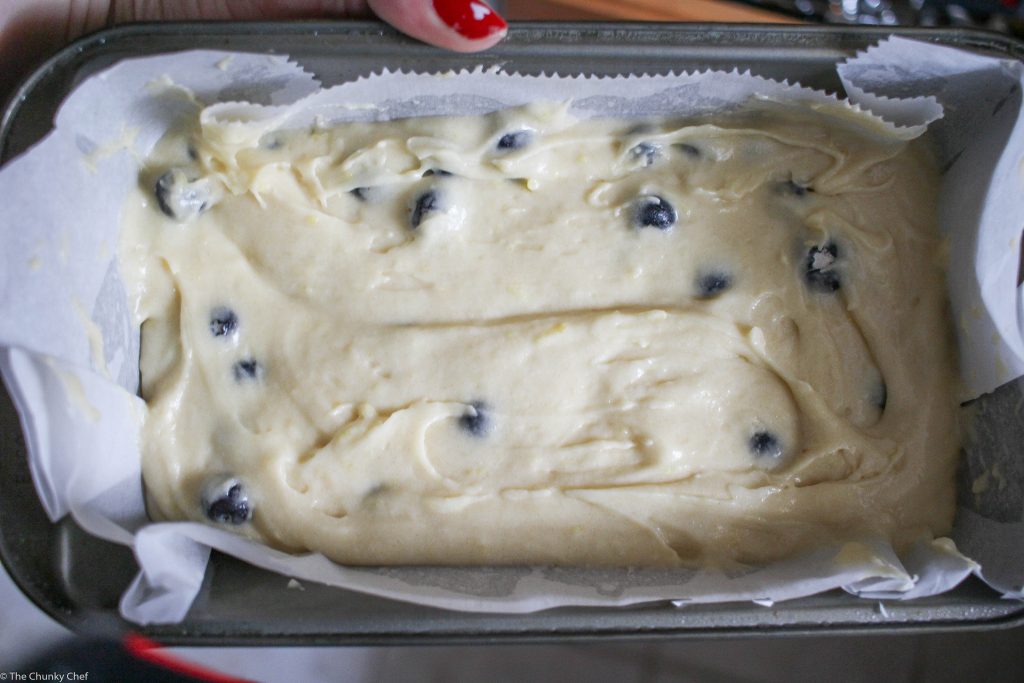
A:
<point x="78" y="579"/>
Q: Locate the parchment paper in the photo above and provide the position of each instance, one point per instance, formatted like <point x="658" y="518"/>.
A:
<point x="68" y="349"/>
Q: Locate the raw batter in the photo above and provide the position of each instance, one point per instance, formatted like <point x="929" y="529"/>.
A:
<point x="524" y="338"/>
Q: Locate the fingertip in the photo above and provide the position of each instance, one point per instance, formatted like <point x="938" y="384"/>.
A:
<point x="477" y="44"/>
<point x="471" y="19"/>
<point x="459" y="25"/>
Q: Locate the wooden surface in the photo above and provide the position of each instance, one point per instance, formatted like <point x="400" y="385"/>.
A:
<point x="640" y="10"/>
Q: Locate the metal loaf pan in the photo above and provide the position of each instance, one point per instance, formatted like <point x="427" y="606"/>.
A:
<point x="78" y="579"/>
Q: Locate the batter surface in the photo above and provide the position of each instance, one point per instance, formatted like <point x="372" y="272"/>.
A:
<point x="527" y="338"/>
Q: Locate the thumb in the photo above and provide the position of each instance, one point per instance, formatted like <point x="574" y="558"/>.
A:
<point x="460" y="25"/>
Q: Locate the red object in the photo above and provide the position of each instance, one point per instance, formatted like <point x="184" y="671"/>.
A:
<point x="145" y="649"/>
<point x="471" y="19"/>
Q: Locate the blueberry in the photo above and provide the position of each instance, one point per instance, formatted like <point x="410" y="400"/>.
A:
<point x="426" y="203"/>
<point x="360" y="193"/>
<point x="226" y="502"/>
<point x="180" y="195"/>
<point x="764" y="444"/>
<point x="648" y="152"/>
<point x="651" y="211"/>
<point x="712" y="283"/>
<point x="687" y="149"/>
<point x="440" y="172"/>
<point x="247" y="370"/>
<point x="476" y="420"/>
<point x="516" y="140"/>
<point x="794" y="188"/>
<point x="819" y="268"/>
<point x="223" y="321"/>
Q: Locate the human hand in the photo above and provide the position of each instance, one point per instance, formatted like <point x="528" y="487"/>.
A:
<point x="30" y="30"/>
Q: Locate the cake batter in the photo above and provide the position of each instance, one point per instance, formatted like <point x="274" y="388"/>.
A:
<point x="525" y="338"/>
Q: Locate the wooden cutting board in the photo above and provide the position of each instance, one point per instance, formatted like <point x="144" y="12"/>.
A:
<point x="641" y="10"/>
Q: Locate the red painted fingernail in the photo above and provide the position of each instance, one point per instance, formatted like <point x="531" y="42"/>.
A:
<point x="471" y="19"/>
<point x="141" y="647"/>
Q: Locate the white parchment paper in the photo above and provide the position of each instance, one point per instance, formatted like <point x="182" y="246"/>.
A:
<point x="68" y="350"/>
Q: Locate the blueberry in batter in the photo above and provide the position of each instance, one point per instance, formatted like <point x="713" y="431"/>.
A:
<point x="689" y="150"/>
<point x="712" y="283"/>
<point x="515" y="140"/>
<point x="226" y="502"/>
<point x="426" y="203"/>
<point x="248" y="370"/>
<point x="223" y="321"/>
<point x="180" y="196"/>
<point x="819" y="268"/>
<point x="648" y="152"/>
<point x="764" y="444"/>
<point x="653" y="211"/>
<point x="476" y="419"/>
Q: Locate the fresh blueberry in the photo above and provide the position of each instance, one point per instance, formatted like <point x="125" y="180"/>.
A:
<point x="647" y="152"/>
<point x="360" y="193"/>
<point x="651" y="211"/>
<point x="712" y="283"/>
<point x="795" y="189"/>
<point x="223" y="321"/>
<point x="226" y="502"/>
<point x="180" y="195"/>
<point x="248" y="370"/>
<point x="688" y="149"/>
<point x="440" y="172"/>
<point x="476" y="420"/>
<point x="819" y="268"/>
<point x="764" y="444"/>
<point x="426" y="203"/>
<point x="516" y="140"/>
